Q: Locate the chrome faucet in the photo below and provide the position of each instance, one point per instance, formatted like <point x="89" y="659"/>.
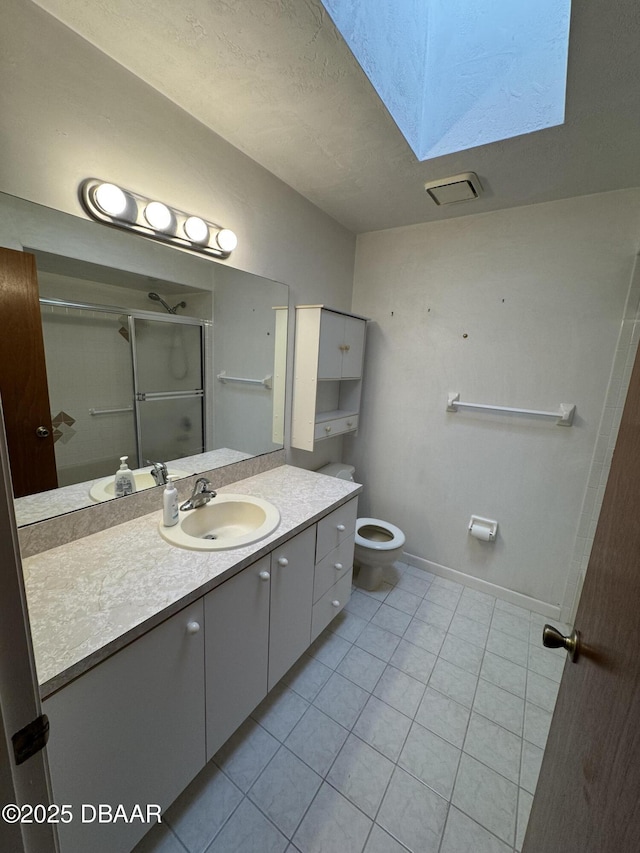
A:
<point x="200" y="496"/>
<point x="159" y="472"/>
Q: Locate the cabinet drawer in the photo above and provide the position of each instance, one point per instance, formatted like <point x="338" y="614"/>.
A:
<point x="331" y="603"/>
<point x="331" y="568"/>
<point x="335" y="426"/>
<point x="335" y="527"/>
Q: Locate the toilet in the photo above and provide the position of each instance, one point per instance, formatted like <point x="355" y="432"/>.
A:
<point x="378" y="543"/>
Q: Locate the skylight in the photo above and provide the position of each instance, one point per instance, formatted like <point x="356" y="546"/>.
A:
<point x="455" y="74"/>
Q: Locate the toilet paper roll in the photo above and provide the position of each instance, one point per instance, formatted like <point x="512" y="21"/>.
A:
<point x="481" y="532"/>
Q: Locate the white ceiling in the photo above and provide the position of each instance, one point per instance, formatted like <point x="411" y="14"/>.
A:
<point x="275" y="79"/>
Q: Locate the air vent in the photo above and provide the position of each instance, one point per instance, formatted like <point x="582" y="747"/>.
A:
<point x="462" y="187"/>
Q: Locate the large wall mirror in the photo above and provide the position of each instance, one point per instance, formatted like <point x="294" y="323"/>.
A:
<point x="117" y="346"/>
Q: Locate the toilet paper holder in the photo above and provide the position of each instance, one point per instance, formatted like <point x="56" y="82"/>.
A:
<point x="484" y="529"/>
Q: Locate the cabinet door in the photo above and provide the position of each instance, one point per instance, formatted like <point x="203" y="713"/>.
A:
<point x="129" y="731"/>
<point x="236" y="651"/>
<point x="292" y="567"/>
<point x="353" y="352"/>
<point x="331" y="343"/>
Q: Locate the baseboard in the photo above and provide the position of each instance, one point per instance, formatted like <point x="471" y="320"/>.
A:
<point x="542" y="607"/>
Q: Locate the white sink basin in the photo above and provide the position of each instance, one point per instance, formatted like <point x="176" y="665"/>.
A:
<point x="227" y="521"/>
<point x="105" y="489"/>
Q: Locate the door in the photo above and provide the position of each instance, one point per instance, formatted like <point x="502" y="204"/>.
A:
<point x="292" y="568"/>
<point x="130" y="731"/>
<point x="169" y="389"/>
<point x="588" y="795"/>
<point x="27" y="781"/>
<point x="23" y="377"/>
<point x="353" y="353"/>
<point x="237" y="650"/>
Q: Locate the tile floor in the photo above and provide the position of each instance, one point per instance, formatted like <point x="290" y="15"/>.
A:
<point x="416" y="722"/>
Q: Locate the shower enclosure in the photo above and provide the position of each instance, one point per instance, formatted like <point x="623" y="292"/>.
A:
<point x="123" y="383"/>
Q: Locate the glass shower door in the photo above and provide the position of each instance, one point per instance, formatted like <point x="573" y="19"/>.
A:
<point x="169" y="388"/>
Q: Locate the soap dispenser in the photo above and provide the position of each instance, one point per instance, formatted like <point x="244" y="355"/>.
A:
<point x="124" y="482"/>
<point x="170" y="504"/>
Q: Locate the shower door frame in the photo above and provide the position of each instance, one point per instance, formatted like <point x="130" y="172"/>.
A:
<point x="139" y="314"/>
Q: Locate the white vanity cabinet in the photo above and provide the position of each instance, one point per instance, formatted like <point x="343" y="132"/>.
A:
<point x="334" y="565"/>
<point x="236" y="650"/>
<point x="130" y="731"/>
<point x="329" y="354"/>
<point x="292" y="572"/>
<point x="258" y="624"/>
<point x="140" y="725"/>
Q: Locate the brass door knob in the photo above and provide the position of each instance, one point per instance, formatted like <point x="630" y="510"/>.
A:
<point x="553" y="639"/>
<point x="42" y="432"/>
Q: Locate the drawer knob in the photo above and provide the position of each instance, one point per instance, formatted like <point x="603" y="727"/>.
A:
<point x="340" y="527"/>
<point x="282" y="561"/>
<point x="193" y="627"/>
<point x="337" y="566"/>
<point x="327" y="428"/>
<point x="335" y="603"/>
<point x="264" y="576"/>
<point x="349" y="423"/>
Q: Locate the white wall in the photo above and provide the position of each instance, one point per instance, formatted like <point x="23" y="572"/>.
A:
<point x="68" y="112"/>
<point x="520" y="308"/>
<point x="243" y="346"/>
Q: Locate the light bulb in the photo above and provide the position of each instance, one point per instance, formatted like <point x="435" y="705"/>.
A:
<point x="227" y="240"/>
<point x="158" y="216"/>
<point x="196" y="230"/>
<point x="110" y="199"/>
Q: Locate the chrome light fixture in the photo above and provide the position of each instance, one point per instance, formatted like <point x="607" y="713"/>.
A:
<point x="126" y="209"/>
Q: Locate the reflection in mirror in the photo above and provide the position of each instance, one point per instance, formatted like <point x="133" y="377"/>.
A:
<point x="188" y="374"/>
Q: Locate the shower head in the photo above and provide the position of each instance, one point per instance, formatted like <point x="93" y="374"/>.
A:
<point x="157" y="298"/>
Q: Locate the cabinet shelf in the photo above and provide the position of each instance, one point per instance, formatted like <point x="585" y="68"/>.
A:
<point x="329" y="353"/>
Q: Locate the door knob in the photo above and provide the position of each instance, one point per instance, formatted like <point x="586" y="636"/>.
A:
<point x="553" y="639"/>
<point x="42" y="432"/>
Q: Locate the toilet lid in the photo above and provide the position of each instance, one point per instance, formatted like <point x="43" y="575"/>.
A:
<point x="396" y="536"/>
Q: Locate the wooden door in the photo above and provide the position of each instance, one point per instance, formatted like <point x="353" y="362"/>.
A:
<point x="588" y="795"/>
<point x="23" y="376"/>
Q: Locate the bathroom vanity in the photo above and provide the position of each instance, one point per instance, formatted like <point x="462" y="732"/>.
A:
<point x="150" y="656"/>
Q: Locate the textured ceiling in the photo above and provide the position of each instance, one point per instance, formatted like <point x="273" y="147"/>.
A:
<point x="275" y="78"/>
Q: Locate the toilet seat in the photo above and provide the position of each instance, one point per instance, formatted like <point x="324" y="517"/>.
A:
<point x="396" y="536"/>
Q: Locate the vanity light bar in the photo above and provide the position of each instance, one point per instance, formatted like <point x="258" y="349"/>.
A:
<point x="129" y="210"/>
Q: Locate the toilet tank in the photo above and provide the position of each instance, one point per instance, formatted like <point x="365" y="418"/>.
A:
<point x="339" y="470"/>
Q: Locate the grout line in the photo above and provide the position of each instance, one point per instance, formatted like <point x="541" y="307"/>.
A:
<point x="424" y="685"/>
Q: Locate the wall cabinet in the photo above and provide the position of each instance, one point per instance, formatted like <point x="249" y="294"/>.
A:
<point x="139" y="726"/>
<point x="328" y="359"/>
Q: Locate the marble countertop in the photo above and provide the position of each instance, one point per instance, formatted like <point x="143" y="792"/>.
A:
<point x="91" y="597"/>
